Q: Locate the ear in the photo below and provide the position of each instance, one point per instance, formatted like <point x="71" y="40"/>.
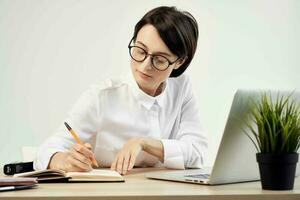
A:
<point x="179" y="62"/>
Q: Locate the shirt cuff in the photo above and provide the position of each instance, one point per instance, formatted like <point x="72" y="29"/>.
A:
<point x="173" y="156"/>
<point x="42" y="160"/>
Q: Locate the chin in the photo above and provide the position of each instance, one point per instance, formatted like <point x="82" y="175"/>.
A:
<point x="142" y="82"/>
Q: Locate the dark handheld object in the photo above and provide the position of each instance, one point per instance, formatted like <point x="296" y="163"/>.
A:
<point x="20" y="167"/>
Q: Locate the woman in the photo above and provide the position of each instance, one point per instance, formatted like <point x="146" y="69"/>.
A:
<point x="147" y="119"/>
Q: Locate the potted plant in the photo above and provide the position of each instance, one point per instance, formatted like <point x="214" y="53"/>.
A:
<point x="274" y="129"/>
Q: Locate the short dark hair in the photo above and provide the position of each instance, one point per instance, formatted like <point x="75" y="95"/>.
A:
<point x="178" y="30"/>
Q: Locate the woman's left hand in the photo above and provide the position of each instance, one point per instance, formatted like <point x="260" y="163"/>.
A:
<point x="125" y="159"/>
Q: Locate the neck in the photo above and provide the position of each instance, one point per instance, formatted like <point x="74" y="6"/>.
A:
<point x="154" y="91"/>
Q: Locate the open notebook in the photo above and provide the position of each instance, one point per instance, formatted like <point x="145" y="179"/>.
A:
<point x="55" y="175"/>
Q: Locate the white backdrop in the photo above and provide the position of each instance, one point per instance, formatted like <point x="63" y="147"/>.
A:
<point x="52" y="50"/>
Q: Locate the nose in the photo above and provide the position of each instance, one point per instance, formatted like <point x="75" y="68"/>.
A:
<point x="146" y="64"/>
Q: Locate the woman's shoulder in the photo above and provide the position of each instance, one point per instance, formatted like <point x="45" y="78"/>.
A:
<point x="180" y="82"/>
<point x="106" y="84"/>
<point x="112" y="83"/>
<point x="181" y="86"/>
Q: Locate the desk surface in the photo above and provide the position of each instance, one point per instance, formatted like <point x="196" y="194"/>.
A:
<point x="137" y="186"/>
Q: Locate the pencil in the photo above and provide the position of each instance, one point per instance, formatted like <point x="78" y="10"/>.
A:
<point x="75" y="136"/>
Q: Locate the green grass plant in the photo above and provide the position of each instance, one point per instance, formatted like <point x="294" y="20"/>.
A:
<point x="276" y="127"/>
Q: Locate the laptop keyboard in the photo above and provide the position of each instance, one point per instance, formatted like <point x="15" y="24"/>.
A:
<point x="201" y="176"/>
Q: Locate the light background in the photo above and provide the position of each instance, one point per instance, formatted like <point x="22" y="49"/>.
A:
<point x="52" y="50"/>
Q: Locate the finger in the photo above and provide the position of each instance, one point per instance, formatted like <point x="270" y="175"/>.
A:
<point x="120" y="163"/>
<point x="80" y="157"/>
<point x="114" y="163"/>
<point x="88" y="145"/>
<point x="76" y="163"/>
<point x="72" y="168"/>
<point x="126" y="163"/>
<point x="131" y="162"/>
<point x="78" y="169"/>
<point x="92" y="158"/>
<point x="84" y="150"/>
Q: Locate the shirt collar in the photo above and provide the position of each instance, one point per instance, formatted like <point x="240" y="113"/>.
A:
<point x="146" y="100"/>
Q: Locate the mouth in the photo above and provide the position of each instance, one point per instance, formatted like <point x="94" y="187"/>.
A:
<point x="144" y="75"/>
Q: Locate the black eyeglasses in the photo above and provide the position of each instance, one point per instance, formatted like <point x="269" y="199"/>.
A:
<point x="139" y="54"/>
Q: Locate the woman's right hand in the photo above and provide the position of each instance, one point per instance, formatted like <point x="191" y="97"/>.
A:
<point x="76" y="159"/>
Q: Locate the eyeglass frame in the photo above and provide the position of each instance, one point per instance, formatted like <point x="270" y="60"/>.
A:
<point x="151" y="56"/>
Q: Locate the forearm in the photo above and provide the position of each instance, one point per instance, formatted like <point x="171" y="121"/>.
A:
<point x="153" y="147"/>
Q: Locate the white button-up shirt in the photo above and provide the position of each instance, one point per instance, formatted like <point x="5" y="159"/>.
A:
<point x="109" y="114"/>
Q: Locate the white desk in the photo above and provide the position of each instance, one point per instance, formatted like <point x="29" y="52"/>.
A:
<point x="136" y="186"/>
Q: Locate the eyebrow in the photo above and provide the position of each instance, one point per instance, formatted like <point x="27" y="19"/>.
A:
<point x="157" y="52"/>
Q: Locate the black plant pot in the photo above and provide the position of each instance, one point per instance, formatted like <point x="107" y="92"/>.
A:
<point x="277" y="171"/>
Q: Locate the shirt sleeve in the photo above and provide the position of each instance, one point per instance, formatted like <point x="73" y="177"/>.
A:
<point x="83" y="118"/>
<point x="188" y="146"/>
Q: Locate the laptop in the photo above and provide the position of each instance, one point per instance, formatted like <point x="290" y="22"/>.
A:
<point x="236" y="157"/>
